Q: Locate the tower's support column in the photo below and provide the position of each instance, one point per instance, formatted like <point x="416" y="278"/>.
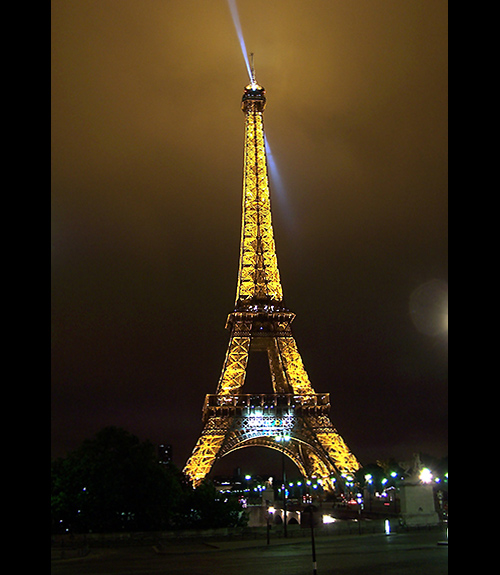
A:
<point x="204" y="455"/>
<point x="235" y="365"/>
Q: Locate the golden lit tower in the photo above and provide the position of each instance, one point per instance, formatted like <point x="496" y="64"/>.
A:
<point x="293" y="419"/>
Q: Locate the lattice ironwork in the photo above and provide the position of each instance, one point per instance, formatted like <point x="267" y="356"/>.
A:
<point x="258" y="276"/>
<point x="294" y="419"/>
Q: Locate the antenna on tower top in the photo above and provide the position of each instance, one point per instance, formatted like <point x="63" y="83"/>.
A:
<point x="252" y="69"/>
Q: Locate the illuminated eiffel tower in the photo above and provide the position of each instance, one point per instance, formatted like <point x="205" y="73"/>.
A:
<point x="294" y="419"/>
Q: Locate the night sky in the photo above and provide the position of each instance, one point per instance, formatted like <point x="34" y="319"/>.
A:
<point x="147" y="156"/>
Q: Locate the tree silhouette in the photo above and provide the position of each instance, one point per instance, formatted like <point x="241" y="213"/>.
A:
<point x="114" y="482"/>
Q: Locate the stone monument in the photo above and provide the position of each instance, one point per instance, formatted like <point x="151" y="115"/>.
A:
<point x="416" y="496"/>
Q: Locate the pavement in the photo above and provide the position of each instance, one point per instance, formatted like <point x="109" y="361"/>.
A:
<point x="412" y="553"/>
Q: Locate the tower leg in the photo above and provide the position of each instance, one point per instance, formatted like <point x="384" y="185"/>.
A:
<point x="293" y="366"/>
<point x="203" y="457"/>
<point x="336" y="448"/>
<point x="332" y="444"/>
<point x="278" y="379"/>
<point x="235" y="365"/>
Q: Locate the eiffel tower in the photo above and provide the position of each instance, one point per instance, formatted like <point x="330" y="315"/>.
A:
<point x="294" y="419"/>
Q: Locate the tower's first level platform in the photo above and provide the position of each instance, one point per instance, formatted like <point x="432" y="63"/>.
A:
<point x="269" y="403"/>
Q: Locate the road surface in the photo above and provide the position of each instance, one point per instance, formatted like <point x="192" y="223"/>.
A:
<point x="400" y="554"/>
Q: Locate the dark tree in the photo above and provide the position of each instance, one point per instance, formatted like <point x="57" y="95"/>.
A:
<point x="206" y="508"/>
<point x="114" y="482"/>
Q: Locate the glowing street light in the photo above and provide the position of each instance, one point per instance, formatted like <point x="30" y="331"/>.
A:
<point x="425" y="475"/>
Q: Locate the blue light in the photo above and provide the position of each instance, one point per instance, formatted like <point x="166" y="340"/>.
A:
<point x="237" y="25"/>
<point x="277" y="184"/>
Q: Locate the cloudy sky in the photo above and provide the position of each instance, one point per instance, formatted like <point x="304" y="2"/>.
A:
<point x="147" y="154"/>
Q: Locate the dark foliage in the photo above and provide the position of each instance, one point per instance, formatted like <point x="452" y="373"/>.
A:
<point x="205" y="508"/>
<point x="114" y="482"/>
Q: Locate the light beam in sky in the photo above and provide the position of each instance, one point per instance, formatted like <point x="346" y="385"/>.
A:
<point x="278" y="185"/>
<point x="237" y="25"/>
<point x="273" y="169"/>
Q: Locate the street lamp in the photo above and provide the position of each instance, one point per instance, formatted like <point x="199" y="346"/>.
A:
<point x="285" y="438"/>
<point x="270" y="511"/>
<point x="425" y="475"/>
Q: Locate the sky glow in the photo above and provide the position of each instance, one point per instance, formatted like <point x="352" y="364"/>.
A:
<point x="146" y="177"/>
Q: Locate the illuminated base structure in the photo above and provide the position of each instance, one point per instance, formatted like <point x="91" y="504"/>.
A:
<point x="294" y="418"/>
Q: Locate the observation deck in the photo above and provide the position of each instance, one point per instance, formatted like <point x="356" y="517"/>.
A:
<point x="254" y="98"/>
<point x="276" y="404"/>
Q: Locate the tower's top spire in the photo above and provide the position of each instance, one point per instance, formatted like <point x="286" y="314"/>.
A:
<point x="254" y="95"/>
